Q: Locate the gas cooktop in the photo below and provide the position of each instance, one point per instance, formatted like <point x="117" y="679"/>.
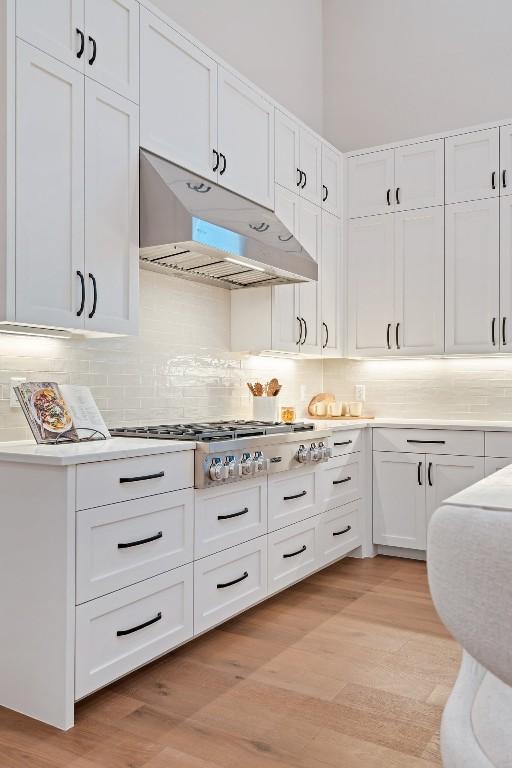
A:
<point x="212" y="431"/>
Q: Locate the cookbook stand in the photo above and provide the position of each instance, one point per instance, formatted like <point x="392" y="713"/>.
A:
<point x="95" y="434"/>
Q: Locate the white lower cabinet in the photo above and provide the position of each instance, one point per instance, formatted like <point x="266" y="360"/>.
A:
<point x="447" y="475"/>
<point x="493" y="465"/>
<point x="119" y="632"/>
<point x="292" y="496"/>
<point x="341" y="480"/>
<point x="292" y="553"/>
<point x="339" y="532"/>
<point x="228" y="582"/>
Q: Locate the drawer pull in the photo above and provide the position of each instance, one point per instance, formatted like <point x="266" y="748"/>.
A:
<point x="123" y="632"/>
<point x="298" y="552"/>
<point x="345" y="442"/>
<point x="141" y="477"/>
<point x="428" y="442"/>
<point x="235" y="581"/>
<point x="243" y="511"/>
<point x="128" y="544"/>
<point x="345" y="480"/>
<point x="345" y="530"/>
<point x="295" y="496"/>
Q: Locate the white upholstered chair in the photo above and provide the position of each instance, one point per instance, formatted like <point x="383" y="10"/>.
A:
<point x="470" y="576"/>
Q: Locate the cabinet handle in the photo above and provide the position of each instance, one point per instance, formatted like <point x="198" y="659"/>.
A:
<point x="94" y="295"/>
<point x="326" y="193"/>
<point x="388" y="196"/>
<point x="397" y="195"/>
<point x="235" y="581"/>
<point x="345" y="442"/>
<point x="129" y="544"/>
<point x="420" y="464"/>
<point x="298" y="552"/>
<point x="224" y="164"/>
<point x="243" y="511"/>
<point x="299" y="342"/>
<point x="305" y="330"/>
<point x="503" y="332"/>
<point x="396" y="335"/>
<point x="429" y="475"/>
<point x="340" y="533"/>
<point x="123" y="632"/>
<point x="299" y="181"/>
<point x="81" y="50"/>
<point x="504" y="179"/>
<point x="344" y="480"/>
<point x="493" y="180"/>
<point x="326" y="335"/>
<point x="493" y="331"/>
<point x="295" y="496"/>
<point x="305" y="179"/>
<point x="82" y="300"/>
<point x="217" y="160"/>
<point x="387" y="336"/>
<point x="93" y="57"/>
<point x="137" y="479"/>
<point x="428" y="442"/>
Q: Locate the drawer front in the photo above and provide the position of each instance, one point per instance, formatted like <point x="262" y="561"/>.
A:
<point x="292" y="553"/>
<point x="342" y="481"/>
<point x="121" y="544"/>
<point x="152" y="617"/>
<point x="347" y="441"/>
<point x="107" y="482"/>
<point x="229" y="582"/>
<point x="229" y="516"/>
<point x="498" y="444"/>
<point x="435" y="441"/>
<point x="292" y="496"/>
<point x="339" y="531"/>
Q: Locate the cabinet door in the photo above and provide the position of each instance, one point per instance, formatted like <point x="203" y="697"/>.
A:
<point x="472" y="166"/>
<point x="246" y="139"/>
<point x="179" y="123"/>
<point x="111" y="210"/>
<point x="112" y="28"/>
<point x="309" y="234"/>
<point x="447" y="475"/>
<point x="493" y="465"/>
<point x="56" y="28"/>
<point x="371" y="285"/>
<point x="399" y="515"/>
<point x="505" y="330"/>
<point x="287" y="152"/>
<point x="287" y="329"/>
<point x="371" y="180"/>
<point x="472" y="276"/>
<point x="331" y="180"/>
<point x="419" y="291"/>
<point x="49" y="190"/>
<point x="419" y="175"/>
<point x="505" y="160"/>
<point x="311" y="167"/>
<point x="330" y="285"/>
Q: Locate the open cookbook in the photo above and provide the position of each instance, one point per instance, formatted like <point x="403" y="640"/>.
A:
<point x="61" y="412"/>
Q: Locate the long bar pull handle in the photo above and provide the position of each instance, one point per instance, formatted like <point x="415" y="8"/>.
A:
<point x="503" y="332"/>
<point x="123" y="632"/>
<point x="128" y="544"/>
<point x="235" y="581"/>
<point x="298" y="552"/>
<point x="420" y="464"/>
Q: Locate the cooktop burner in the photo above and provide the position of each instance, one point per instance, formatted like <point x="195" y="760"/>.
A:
<point x="210" y="431"/>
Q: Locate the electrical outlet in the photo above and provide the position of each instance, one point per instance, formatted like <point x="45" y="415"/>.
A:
<point x="360" y="393"/>
<point x="13" y="400"/>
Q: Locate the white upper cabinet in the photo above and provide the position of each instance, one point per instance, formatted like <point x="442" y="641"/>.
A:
<point x="309" y="233"/>
<point x="111" y="210"/>
<point x="419" y="175"/>
<point x="178" y="117"/>
<point x="371" y="183"/>
<point x="112" y="45"/>
<point x="371" y="285"/>
<point x="399" y="503"/>
<point x="287" y="152"/>
<point x="331" y="180"/>
<point x="330" y="285"/>
<point x="55" y="27"/>
<point x="311" y="167"/>
<point x="245" y="140"/>
<point x="472" y="277"/>
<point x="505" y="330"/>
<point x="49" y="191"/>
<point x="419" y="288"/>
<point x="472" y="165"/>
<point x="505" y="160"/>
<point x="287" y="327"/>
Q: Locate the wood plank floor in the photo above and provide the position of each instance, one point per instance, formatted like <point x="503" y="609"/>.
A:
<point x="349" y="668"/>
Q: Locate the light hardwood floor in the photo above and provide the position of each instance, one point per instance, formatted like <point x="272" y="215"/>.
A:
<point x="350" y="668"/>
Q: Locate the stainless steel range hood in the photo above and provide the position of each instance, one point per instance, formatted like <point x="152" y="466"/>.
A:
<point x="193" y="228"/>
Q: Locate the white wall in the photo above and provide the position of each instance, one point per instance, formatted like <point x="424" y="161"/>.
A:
<point x="396" y="69"/>
<point x="277" y="45"/>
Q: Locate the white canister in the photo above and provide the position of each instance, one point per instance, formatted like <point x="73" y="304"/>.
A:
<point x="335" y="408"/>
<point x="265" y="408"/>
<point x="356" y="408"/>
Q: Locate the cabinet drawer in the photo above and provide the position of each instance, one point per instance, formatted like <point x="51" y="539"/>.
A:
<point x="341" y="480"/>
<point x="229" y="582"/>
<point x="292" y="553"/>
<point x="339" y="531"/>
<point x="119" y="632"/>
<point x="229" y="516"/>
<point x="292" y="496"/>
<point x="435" y="441"/>
<point x="498" y="444"/>
<point x="107" y="482"/>
<point x="121" y="544"/>
<point x="347" y="441"/>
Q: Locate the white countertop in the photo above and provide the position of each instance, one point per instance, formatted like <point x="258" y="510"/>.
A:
<point x="493" y="492"/>
<point x="82" y="453"/>
<point x="441" y="423"/>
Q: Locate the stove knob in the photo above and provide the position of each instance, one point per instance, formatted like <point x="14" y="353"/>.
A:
<point x="216" y="469"/>
<point x="246" y="464"/>
<point x="325" y="451"/>
<point x="260" y="462"/>
<point x="303" y="455"/>
<point x="230" y="466"/>
<point x="314" y="452"/>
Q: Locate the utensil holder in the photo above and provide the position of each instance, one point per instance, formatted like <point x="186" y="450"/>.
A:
<point x="265" y="408"/>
